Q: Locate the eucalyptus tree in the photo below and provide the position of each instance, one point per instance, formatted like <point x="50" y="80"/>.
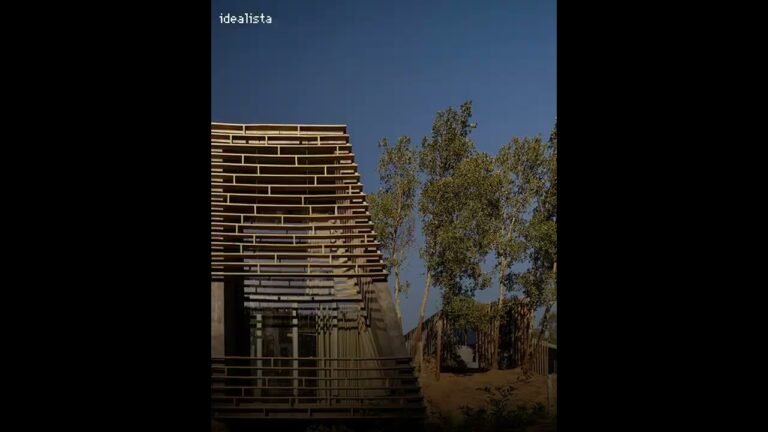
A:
<point x="538" y="282"/>
<point x="458" y="206"/>
<point x="392" y="207"/>
<point x="520" y="166"/>
<point x="440" y="154"/>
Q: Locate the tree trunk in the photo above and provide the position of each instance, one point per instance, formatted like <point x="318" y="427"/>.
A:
<point x="527" y="343"/>
<point x="397" y="295"/>
<point x="545" y="317"/>
<point x="527" y="363"/>
<point x="543" y="324"/>
<point x="417" y="339"/>
<point x="497" y="326"/>
<point x="439" y="350"/>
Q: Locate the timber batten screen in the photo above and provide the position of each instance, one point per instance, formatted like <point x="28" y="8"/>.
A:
<point x="303" y="324"/>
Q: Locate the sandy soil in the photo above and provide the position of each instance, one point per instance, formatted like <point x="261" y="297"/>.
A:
<point x="454" y="390"/>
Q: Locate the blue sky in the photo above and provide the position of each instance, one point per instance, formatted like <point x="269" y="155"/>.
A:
<point x="385" y="69"/>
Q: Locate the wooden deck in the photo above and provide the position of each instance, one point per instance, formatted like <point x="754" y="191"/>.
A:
<point x="303" y="387"/>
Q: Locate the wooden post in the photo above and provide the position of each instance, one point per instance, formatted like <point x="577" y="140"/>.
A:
<point x="295" y="337"/>
<point x="492" y="339"/>
<point x="259" y="353"/>
<point x="479" y="348"/>
<point x="481" y="343"/>
<point x="335" y="352"/>
<point x="549" y="392"/>
<point x="217" y="319"/>
<point x="419" y="356"/>
<point x="438" y="351"/>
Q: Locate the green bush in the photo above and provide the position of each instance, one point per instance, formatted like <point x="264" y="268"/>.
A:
<point x="499" y="414"/>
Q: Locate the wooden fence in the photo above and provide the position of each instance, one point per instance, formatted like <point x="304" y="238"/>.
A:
<point x="509" y="351"/>
<point x="544" y="359"/>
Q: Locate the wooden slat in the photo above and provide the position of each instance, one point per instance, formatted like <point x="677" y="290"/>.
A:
<point x="245" y="187"/>
<point x="366" y="388"/>
<point x="291" y="255"/>
<point x="219" y="359"/>
<point x="286" y="166"/>
<point x="293" y="193"/>
<point x="280" y="368"/>
<point x="300" y="274"/>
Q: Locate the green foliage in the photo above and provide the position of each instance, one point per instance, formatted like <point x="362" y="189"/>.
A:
<point x="473" y="204"/>
<point x="392" y="206"/>
<point x="447" y="421"/>
<point x="405" y="287"/>
<point x="538" y="282"/>
<point x="465" y="312"/>
<point x="458" y="216"/>
<point x="457" y="206"/>
<point x="521" y="166"/>
<point x="497" y="415"/>
<point x="449" y="144"/>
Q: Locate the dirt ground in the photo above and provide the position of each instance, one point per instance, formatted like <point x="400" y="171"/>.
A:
<point x="455" y="390"/>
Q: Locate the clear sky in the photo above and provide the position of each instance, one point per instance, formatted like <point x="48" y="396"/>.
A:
<point x="384" y="68"/>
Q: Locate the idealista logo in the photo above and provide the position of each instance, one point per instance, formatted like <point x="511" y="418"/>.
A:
<point x="246" y="18"/>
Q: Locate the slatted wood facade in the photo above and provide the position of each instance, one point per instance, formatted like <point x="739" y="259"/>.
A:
<point x="291" y="232"/>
